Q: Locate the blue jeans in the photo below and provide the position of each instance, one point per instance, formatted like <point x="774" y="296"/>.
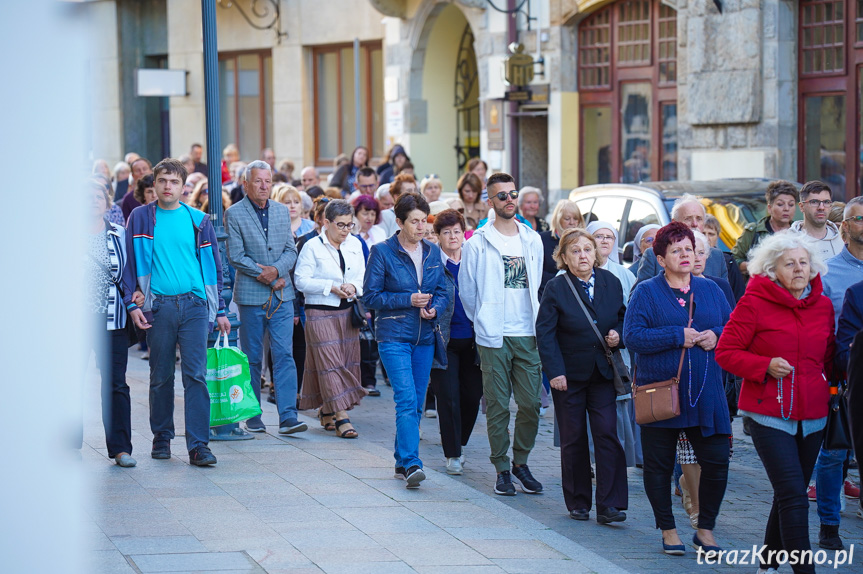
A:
<point x="829" y="480"/>
<point x="409" y="367"/>
<point x="184" y="320"/>
<point x="281" y="327"/>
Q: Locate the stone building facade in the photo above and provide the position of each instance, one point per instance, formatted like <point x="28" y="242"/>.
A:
<point x="626" y="90"/>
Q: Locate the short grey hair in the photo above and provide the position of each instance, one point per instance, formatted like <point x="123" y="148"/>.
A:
<point x="337" y="208"/>
<point x="257" y="164"/>
<point x="306" y="201"/>
<point x="382" y="191"/>
<point x="683" y="200"/>
<point x="762" y="259"/>
<point x="525" y="191"/>
<point x="851" y="202"/>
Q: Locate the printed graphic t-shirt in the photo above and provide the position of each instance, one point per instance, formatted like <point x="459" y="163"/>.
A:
<point x="518" y="313"/>
<point x="176" y="269"/>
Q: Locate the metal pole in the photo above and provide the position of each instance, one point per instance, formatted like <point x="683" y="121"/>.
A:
<point x="211" y="106"/>
<point x="214" y="187"/>
<point x="512" y="36"/>
<point x="357" y="106"/>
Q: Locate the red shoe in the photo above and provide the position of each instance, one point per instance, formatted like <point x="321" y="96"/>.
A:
<point x="852" y="490"/>
<point x="810" y="492"/>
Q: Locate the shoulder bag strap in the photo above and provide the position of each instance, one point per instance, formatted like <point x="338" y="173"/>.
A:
<point x="683" y="352"/>
<point x="587" y="315"/>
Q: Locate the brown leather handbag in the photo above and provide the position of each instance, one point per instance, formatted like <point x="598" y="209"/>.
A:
<point x="659" y="401"/>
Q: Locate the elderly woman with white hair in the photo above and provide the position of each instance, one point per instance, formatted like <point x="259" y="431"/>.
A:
<point x="566" y="215"/>
<point x="608" y="258"/>
<point x="780" y="341"/>
<point x="529" y="202"/>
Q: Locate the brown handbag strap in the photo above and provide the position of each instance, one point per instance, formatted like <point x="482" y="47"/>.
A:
<point x="688" y="325"/>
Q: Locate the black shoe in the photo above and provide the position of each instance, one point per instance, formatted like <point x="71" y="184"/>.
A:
<point x="746" y="422"/>
<point x="373" y="392"/>
<point x="579" y="514"/>
<point x="828" y="537"/>
<point x="161" y="449"/>
<point x="528" y="483"/>
<point x="201" y="456"/>
<point x="414" y="476"/>
<point x="852" y="463"/>
<point x="504" y="485"/>
<point x="400" y="473"/>
<point x="609" y="515"/>
<point x="271" y="398"/>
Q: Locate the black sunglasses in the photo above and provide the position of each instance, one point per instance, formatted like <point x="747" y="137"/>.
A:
<point x="501" y="196"/>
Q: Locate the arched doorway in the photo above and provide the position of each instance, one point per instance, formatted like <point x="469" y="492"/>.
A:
<point x="627" y="84"/>
<point x="444" y="88"/>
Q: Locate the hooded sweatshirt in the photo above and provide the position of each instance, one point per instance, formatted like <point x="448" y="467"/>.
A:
<point x="481" y="281"/>
<point x="830" y="246"/>
<point x="769" y="322"/>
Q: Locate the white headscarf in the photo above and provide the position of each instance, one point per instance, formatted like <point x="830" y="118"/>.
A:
<point x="636" y="246"/>
<point x="592" y="228"/>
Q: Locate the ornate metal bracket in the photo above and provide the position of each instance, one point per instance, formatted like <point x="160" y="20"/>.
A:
<point x="260" y="14"/>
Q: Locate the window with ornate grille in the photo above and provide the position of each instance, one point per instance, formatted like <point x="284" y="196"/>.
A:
<point x="667" y="45"/>
<point x="822" y="37"/>
<point x="830" y="73"/>
<point x="633" y="33"/>
<point x="627" y="82"/>
<point x="594" y="53"/>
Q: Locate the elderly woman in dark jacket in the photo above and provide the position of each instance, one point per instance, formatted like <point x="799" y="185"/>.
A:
<point x="658" y="330"/>
<point x="458" y="384"/>
<point x="581" y="377"/>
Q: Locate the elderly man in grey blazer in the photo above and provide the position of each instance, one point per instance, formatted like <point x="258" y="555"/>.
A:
<point x="261" y="249"/>
<point x="689" y="210"/>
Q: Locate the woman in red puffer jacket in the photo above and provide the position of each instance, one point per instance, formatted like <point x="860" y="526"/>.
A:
<point x="780" y="340"/>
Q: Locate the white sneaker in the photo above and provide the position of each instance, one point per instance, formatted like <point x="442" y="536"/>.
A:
<point x="461" y="460"/>
<point x="542" y="411"/>
<point x="431" y="414"/>
<point x="453" y="466"/>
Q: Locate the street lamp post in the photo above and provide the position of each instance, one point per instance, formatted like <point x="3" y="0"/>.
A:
<point x="214" y="187"/>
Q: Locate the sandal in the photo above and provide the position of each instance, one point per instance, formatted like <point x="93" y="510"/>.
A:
<point x="326" y="421"/>
<point x="348" y="432"/>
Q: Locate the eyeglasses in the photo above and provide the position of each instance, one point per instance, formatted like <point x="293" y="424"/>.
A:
<point x="858" y="219"/>
<point x="502" y="196"/>
<point x="814" y="203"/>
<point x="604" y="237"/>
<point x="344" y="226"/>
<point x="451" y="232"/>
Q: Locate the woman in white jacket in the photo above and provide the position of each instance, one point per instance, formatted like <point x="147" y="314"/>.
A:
<point x="330" y="272"/>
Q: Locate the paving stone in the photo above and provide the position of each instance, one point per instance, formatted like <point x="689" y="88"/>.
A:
<point x="314" y="503"/>
<point x="157" y="544"/>
<point x="195" y="562"/>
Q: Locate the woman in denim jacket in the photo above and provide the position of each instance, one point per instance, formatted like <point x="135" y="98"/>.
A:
<point x="405" y="284"/>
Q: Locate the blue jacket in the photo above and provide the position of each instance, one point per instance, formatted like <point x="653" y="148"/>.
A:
<point x="653" y="329"/>
<point x="139" y="249"/>
<point x="843" y="271"/>
<point x="850" y="323"/>
<point x="391" y="279"/>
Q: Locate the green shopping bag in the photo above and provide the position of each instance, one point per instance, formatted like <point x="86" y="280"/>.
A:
<point x="231" y="396"/>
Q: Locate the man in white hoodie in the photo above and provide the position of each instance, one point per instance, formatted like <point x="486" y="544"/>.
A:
<point x="816" y="199"/>
<point x="499" y="278"/>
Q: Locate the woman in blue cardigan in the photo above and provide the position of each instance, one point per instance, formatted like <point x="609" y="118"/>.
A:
<point x="656" y="330"/>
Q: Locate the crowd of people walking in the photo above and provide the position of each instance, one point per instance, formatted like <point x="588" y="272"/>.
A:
<point x="479" y="297"/>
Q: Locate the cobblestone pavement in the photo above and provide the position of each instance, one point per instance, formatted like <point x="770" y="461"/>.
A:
<point x="316" y="503"/>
